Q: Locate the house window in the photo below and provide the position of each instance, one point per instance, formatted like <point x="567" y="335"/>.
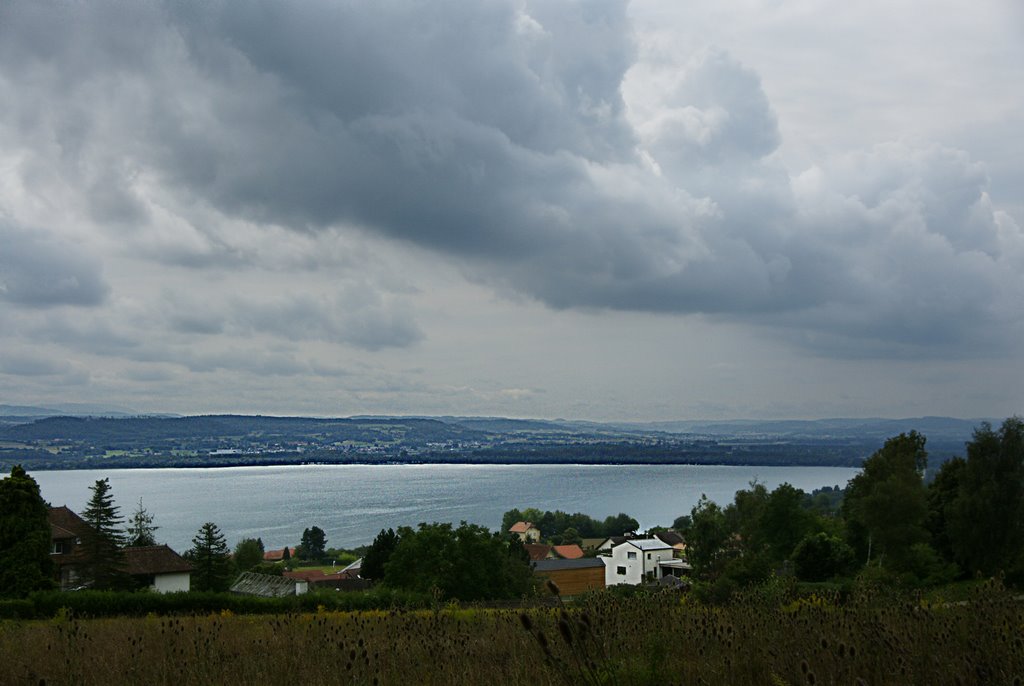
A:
<point x="648" y="556"/>
<point x="621" y="571"/>
<point x="631" y="556"/>
<point x="58" y="548"/>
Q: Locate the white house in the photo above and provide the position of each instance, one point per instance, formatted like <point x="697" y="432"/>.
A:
<point x="526" y="531"/>
<point x="159" y="568"/>
<point x="634" y="562"/>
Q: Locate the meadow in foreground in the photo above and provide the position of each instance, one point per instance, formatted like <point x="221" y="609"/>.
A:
<point x="655" y="639"/>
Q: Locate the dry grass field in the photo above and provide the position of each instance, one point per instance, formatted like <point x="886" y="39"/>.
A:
<point x="605" y="640"/>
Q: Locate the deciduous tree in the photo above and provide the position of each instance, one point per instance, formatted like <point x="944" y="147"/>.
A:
<point x="248" y="554"/>
<point x="986" y="525"/>
<point x="707" y="536"/>
<point x="24" y="536"/>
<point x="467" y="563"/>
<point x="885" y="505"/>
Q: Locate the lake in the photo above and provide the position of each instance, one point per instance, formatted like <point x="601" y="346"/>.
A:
<point x="351" y="503"/>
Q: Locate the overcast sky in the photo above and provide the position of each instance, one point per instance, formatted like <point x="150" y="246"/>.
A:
<point x="596" y="210"/>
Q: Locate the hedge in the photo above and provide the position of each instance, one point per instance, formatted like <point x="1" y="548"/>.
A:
<point x="46" y="604"/>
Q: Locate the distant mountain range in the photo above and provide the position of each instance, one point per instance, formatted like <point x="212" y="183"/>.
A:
<point x="69" y="409"/>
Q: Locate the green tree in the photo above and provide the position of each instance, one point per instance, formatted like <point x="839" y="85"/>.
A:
<point x="682" y="523"/>
<point x="784" y="522"/>
<point x="885" y="505"/>
<point x="103" y="565"/>
<point x="378" y="555"/>
<point x="943" y="492"/>
<point x="744" y="516"/>
<point x="707" y="537"/>
<point x="509" y="518"/>
<point x="314" y="542"/>
<point x="820" y="556"/>
<point x="467" y="563"/>
<point x="570" y="536"/>
<point x="617" y="525"/>
<point x="248" y="553"/>
<point x="140" y="530"/>
<point x="209" y="556"/>
<point x="25" y="564"/>
<point x="986" y="526"/>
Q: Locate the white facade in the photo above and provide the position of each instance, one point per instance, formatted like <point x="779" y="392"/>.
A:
<point x="634" y="562"/>
<point x="172" y="582"/>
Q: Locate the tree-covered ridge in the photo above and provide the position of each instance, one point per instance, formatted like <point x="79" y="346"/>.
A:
<point x="237" y="440"/>
<point x="127" y="431"/>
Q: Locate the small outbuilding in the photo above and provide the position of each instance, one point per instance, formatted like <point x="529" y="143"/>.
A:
<point x="268" y="585"/>
<point x="572" y="576"/>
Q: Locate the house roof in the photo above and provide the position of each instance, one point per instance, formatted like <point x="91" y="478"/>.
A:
<point x="569" y="552"/>
<point x="155" y="559"/>
<point x="521" y="527"/>
<point x="316" y="575"/>
<point x="615" y="540"/>
<point x="554" y="565"/>
<point x="277" y="555"/>
<point x="648" y="544"/>
<point x="58" y="533"/>
<point x="353" y="568"/>
<point x="265" y="585"/>
<point x="671" y="537"/>
<point x="537" y="551"/>
<point x="66" y="524"/>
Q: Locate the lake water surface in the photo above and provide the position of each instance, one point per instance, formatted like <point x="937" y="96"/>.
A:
<point x="351" y="503"/>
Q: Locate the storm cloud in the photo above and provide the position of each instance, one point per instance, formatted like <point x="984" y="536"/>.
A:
<point x="38" y="269"/>
<point x="540" y="149"/>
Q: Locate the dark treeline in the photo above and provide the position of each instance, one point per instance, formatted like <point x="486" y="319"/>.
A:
<point x="561" y="527"/>
<point x="891" y="527"/>
<point x="611" y="453"/>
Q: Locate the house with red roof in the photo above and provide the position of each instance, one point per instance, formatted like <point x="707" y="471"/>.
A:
<point x="537" y="551"/>
<point x="526" y="531"/>
<point x="278" y="555"/>
<point x="568" y="552"/>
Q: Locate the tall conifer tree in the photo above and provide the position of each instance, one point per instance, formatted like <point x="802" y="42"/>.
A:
<point x="211" y="559"/>
<point x="104" y="565"/>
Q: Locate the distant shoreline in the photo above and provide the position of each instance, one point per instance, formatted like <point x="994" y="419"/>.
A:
<point x="101" y="464"/>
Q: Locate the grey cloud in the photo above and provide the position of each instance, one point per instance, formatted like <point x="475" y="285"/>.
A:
<point x="358" y="315"/>
<point x="496" y="133"/>
<point x="97" y="336"/>
<point x="28" y="364"/>
<point x="38" y="269"/>
<point x="259" y="361"/>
